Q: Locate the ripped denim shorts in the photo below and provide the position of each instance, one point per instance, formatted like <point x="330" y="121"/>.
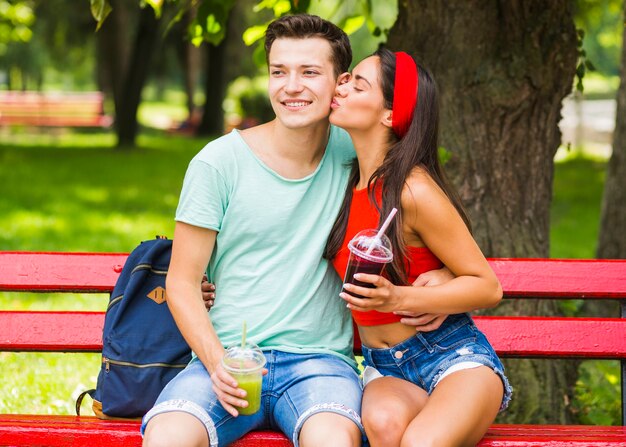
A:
<point x="427" y="357"/>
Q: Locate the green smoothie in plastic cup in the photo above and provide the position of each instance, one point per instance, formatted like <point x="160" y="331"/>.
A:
<point x="245" y="364"/>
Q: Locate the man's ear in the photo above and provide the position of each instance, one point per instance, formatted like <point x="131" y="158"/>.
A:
<point x="387" y="118"/>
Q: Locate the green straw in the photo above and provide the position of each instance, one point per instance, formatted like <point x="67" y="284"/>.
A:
<point x="243" y="335"/>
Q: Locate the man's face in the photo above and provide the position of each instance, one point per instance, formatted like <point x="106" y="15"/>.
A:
<point x="302" y="81"/>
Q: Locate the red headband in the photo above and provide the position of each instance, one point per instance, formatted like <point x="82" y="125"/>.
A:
<point x="404" y="93"/>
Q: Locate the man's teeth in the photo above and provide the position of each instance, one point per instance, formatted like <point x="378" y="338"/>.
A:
<point x="297" y="104"/>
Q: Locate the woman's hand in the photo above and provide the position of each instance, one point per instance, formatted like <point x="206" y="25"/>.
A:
<point x="208" y="292"/>
<point x="384" y="297"/>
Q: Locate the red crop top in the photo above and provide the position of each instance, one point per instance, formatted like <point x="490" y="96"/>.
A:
<point x="363" y="214"/>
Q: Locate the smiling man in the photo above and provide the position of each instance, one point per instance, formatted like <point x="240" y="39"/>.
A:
<point x="257" y="207"/>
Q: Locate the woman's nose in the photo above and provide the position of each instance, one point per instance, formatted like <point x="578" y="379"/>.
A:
<point x="340" y="90"/>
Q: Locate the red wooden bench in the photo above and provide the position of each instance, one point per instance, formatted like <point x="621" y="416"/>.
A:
<point x="53" y="109"/>
<point x="539" y="337"/>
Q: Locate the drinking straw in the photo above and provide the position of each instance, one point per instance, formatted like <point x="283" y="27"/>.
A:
<point x="383" y="228"/>
<point x="243" y="335"/>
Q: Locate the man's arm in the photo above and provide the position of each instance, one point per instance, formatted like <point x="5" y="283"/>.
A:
<point x="191" y="251"/>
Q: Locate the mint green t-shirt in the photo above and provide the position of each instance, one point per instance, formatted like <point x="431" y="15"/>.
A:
<point x="267" y="261"/>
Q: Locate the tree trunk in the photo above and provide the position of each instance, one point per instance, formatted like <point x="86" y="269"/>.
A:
<point x="612" y="242"/>
<point x="112" y="46"/>
<point x="503" y="69"/>
<point x="212" y="122"/>
<point x="136" y="75"/>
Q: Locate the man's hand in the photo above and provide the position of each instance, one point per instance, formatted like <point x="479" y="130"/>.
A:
<point x="227" y="390"/>
<point x="427" y="322"/>
<point x="228" y="393"/>
<point x="208" y="292"/>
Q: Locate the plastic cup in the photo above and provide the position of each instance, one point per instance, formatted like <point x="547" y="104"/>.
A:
<point x="246" y="364"/>
<point x="369" y="253"/>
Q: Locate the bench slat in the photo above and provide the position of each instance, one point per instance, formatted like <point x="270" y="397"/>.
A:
<point x="71" y="431"/>
<point x="522" y="278"/>
<point x="51" y="331"/>
<point x="60" y="272"/>
<point x="68" y="431"/>
<point x="510" y="336"/>
<point x="561" y="278"/>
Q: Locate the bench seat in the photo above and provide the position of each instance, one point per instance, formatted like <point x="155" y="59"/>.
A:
<point x="70" y="431"/>
<point x="512" y="336"/>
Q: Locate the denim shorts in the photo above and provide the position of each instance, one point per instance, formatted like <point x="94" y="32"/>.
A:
<point x="424" y="358"/>
<point x="296" y="387"/>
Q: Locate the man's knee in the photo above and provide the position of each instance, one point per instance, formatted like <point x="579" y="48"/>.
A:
<point x="330" y="429"/>
<point x="175" y="429"/>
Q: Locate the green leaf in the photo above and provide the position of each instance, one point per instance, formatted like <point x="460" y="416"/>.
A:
<point x="444" y="155"/>
<point x="254" y="33"/>
<point x="590" y="66"/>
<point x="211" y="17"/>
<point x="100" y="9"/>
<point x="282" y="7"/>
<point x="352" y="24"/>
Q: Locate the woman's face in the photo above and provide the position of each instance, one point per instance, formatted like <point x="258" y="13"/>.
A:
<point x="358" y="103"/>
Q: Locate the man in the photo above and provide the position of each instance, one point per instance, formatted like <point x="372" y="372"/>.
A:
<point x="257" y="207"/>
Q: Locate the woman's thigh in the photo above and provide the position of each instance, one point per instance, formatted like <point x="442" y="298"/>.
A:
<point x="460" y="409"/>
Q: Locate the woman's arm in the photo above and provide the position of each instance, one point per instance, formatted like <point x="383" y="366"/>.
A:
<point x="431" y="219"/>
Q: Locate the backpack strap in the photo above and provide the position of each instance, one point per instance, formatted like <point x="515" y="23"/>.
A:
<point x="81" y="396"/>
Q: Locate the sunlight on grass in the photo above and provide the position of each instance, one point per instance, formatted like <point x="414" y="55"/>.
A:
<point x="48" y="383"/>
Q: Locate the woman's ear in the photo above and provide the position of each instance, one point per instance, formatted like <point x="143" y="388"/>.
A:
<point x="387" y="118"/>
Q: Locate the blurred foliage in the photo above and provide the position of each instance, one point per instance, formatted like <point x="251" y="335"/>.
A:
<point x="16" y="19"/>
<point x="575" y="211"/>
<point x="247" y="97"/>
<point x="603" y="24"/>
<point x="597" y="393"/>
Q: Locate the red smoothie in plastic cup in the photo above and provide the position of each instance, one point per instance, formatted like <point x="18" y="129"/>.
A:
<point x="368" y="254"/>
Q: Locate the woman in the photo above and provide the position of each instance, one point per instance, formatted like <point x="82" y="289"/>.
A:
<point x="438" y="388"/>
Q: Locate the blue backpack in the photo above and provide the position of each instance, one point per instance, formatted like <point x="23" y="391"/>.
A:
<point x="142" y="347"/>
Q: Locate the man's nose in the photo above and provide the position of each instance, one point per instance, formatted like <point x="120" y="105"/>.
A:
<point x="293" y="83"/>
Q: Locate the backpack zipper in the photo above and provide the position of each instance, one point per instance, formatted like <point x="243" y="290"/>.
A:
<point x="108" y="362"/>
<point x="148" y="267"/>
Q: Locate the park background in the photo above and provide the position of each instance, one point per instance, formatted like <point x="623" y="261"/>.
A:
<point x="529" y="116"/>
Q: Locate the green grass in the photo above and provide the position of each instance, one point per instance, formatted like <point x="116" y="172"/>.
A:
<point x="73" y="192"/>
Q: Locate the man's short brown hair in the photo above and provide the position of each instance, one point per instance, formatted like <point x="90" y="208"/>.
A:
<point x="302" y="26"/>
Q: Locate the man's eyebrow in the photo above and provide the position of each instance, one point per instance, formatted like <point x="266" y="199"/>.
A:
<point x="280" y="65"/>
<point x="359" y="77"/>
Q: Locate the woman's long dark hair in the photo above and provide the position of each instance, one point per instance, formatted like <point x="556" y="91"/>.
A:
<point x="419" y="147"/>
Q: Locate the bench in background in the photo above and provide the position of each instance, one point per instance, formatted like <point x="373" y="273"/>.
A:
<point x="536" y="337"/>
<point x="53" y="109"/>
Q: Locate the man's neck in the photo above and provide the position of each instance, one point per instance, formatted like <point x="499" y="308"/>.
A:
<point x="292" y="153"/>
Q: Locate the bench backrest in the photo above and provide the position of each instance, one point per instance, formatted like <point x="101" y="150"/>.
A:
<point x="511" y="336"/>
